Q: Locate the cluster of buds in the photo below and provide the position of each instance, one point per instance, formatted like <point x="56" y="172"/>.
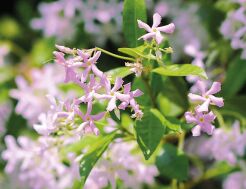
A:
<point x="81" y="69"/>
<point x="202" y="117"/>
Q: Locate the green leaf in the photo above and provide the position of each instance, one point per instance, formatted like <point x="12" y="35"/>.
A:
<point x="181" y="70"/>
<point x="42" y="51"/>
<point x="172" y="164"/>
<point x="218" y="169"/>
<point x="143" y="100"/>
<point x="136" y="52"/>
<point x="175" y="90"/>
<point x="235" y="107"/>
<point x="133" y="10"/>
<point x="9" y="28"/>
<point x="118" y="72"/>
<point x="149" y="131"/>
<point x="235" y="78"/>
<point x="93" y="154"/>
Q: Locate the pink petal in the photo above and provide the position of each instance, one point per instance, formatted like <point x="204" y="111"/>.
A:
<point x="208" y="128"/>
<point x="83" y="55"/>
<point x="106" y="83"/>
<point x="147" y="36"/>
<point x="215" y="88"/>
<point x="123" y="105"/>
<point x="195" y="97"/>
<point x="204" y="106"/>
<point x="98" y="116"/>
<point x="217" y="101"/>
<point x="144" y="26"/>
<point x="127" y="88"/>
<point x="167" y="29"/>
<point x="201" y="85"/>
<point x="118" y="84"/>
<point x="95" y="57"/>
<point x="209" y="117"/>
<point x="111" y="104"/>
<point x="196" y="131"/>
<point x="59" y="58"/>
<point x="96" y="71"/>
<point x="85" y="74"/>
<point x="156" y="20"/>
<point x="190" y="118"/>
<point x="137" y="93"/>
<point x="70" y="75"/>
<point x="158" y="37"/>
<point x="123" y="97"/>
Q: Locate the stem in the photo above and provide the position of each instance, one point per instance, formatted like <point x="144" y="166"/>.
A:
<point x="174" y="184"/>
<point x="115" y="55"/>
<point x="181" y="141"/>
<point x="149" y="91"/>
<point x="16" y="49"/>
<point x="220" y="118"/>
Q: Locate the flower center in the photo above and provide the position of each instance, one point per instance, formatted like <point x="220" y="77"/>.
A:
<point x="201" y="119"/>
<point x="154" y="30"/>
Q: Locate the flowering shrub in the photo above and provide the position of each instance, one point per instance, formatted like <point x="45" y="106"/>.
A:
<point x="78" y="115"/>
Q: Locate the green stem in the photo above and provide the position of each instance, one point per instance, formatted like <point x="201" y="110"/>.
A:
<point x="181" y="141"/>
<point x="115" y="55"/>
<point x="174" y="184"/>
<point x="146" y="83"/>
<point x="220" y="118"/>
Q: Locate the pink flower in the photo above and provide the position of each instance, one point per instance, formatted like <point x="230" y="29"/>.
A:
<point x="68" y="64"/>
<point x="135" y="67"/>
<point x="88" y="126"/>
<point x="227" y="145"/>
<point x="113" y="94"/>
<point x="202" y="121"/>
<point x="90" y="89"/>
<point x="131" y="101"/>
<point x="89" y="63"/>
<point x="236" y="180"/>
<point x="207" y="97"/>
<point x="154" y="31"/>
<point x="31" y="96"/>
<point x="38" y="163"/>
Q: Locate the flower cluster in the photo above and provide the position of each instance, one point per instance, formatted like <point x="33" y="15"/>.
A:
<point x="39" y="163"/>
<point x="60" y="18"/>
<point x="236" y="180"/>
<point x="81" y="69"/>
<point x="234" y="28"/>
<point x="118" y="163"/>
<point x="202" y="117"/>
<point x="227" y="145"/>
<point x="31" y="95"/>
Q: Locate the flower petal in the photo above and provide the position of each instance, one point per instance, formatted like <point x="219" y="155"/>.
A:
<point x="195" y="97"/>
<point x="217" y="100"/>
<point x="95" y="57"/>
<point x="215" y="88"/>
<point x="98" y="116"/>
<point x="196" y="131"/>
<point x="190" y="117"/>
<point x="147" y="36"/>
<point x="118" y="84"/>
<point x="111" y="104"/>
<point x="204" y="106"/>
<point x="158" y="37"/>
<point x="144" y="26"/>
<point x="167" y="29"/>
<point x="156" y="20"/>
